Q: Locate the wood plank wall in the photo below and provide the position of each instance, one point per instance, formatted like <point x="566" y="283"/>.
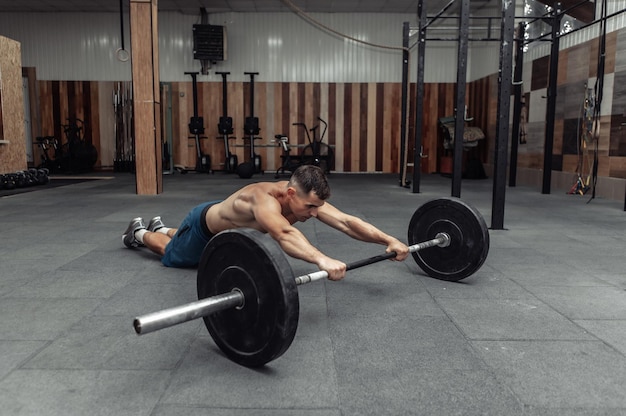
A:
<point x="363" y="119"/>
<point x="61" y="102"/>
<point x="12" y="147"/>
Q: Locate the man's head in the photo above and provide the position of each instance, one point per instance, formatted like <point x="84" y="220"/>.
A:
<point x="307" y="189"/>
<point x="309" y="178"/>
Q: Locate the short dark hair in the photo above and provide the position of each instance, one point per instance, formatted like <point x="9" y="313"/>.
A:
<point x="309" y="178"/>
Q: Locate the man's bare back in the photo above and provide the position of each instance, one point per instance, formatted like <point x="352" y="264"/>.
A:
<point x="238" y="210"/>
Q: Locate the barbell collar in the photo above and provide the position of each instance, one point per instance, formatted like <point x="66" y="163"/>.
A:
<point x="188" y="312"/>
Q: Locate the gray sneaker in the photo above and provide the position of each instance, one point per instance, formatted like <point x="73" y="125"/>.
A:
<point x="155" y="224"/>
<point x="129" y="235"/>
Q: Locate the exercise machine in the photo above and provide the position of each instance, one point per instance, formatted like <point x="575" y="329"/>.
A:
<point x="289" y="162"/>
<point x="317" y="152"/>
<point x="225" y="128"/>
<point x="196" y="129"/>
<point x="251" y="127"/>
<point x="77" y="154"/>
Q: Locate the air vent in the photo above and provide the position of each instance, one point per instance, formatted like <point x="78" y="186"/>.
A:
<point x="209" y="42"/>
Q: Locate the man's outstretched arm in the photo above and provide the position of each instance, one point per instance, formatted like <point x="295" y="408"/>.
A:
<point x="361" y="230"/>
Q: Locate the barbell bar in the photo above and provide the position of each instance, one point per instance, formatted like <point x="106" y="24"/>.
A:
<point x="235" y="299"/>
<point x="441" y="240"/>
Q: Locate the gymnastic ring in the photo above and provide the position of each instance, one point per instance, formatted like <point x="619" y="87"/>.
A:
<point x="122" y="55"/>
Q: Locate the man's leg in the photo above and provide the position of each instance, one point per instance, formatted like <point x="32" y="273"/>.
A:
<point x="157" y="236"/>
<point x="156" y="241"/>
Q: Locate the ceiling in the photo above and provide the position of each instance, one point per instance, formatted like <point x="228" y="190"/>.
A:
<point x="246" y="6"/>
<point x="582" y="10"/>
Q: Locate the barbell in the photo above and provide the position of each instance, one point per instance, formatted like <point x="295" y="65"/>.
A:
<point x="248" y="293"/>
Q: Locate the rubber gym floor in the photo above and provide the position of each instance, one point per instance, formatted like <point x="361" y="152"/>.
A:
<point x="540" y="329"/>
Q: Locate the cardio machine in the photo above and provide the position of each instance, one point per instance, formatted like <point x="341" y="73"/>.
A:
<point x="290" y="162"/>
<point x="317" y="152"/>
<point x="251" y="127"/>
<point x="196" y="129"/>
<point x="225" y="128"/>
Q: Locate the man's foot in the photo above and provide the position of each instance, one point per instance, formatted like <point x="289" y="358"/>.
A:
<point x="129" y="235"/>
<point x="155" y="224"/>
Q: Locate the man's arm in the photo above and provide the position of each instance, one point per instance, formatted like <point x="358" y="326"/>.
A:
<point x="268" y="214"/>
<point x="361" y="230"/>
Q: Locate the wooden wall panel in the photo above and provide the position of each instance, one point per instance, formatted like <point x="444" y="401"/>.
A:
<point x="60" y="102"/>
<point x="260" y="111"/>
<point x="106" y="119"/>
<point x="347" y="127"/>
<point x="369" y="123"/>
<point x="575" y="64"/>
<point x="354" y="151"/>
<point x="363" y="119"/>
<point x="540" y="70"/>
<point x="33" y="96"/>
<point x="331" y="117"/>
<point x="92" y="118"/>
<point x="563" y="72"/>
<point x="378" y="123"/>
<point x="270" y="154"/>
<point x="13" y="151"/>
<point x="1" y="126"/>
<point x="389" y="148"/>
<point x="361" y="139"/>
<point x="570" y="163"/>
<point x="239" y="112"/>
<point x="609" y="56"/>
<point x="394" y="126"/>
<point x="339" y="127"/>
<point x="617" y="168"/>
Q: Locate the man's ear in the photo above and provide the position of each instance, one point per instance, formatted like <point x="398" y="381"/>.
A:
<point x="291" y="191"/>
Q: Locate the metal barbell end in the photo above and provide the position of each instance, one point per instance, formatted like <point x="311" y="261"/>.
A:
<point x="177" y="315"/>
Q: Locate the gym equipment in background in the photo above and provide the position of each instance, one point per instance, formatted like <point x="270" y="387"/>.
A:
<point x="225" y="128"/>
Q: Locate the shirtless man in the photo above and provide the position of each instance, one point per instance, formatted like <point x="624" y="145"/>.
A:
<point x="270" y="207"/>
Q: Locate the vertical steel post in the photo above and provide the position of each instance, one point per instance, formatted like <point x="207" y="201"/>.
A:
<point x="459" y="111"/>
<point x="502" y="121"/>
<point x="518" y="91"/>
<point x="551" y="105"/>
<point x="419" y="99"/>
<point x="405" y="94"/>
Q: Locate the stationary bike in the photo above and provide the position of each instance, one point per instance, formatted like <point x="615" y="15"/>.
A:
<point x="290" y="163"/>
<point x="317" y="152"/>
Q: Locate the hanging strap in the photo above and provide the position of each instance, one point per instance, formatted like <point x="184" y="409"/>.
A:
<point x="122" y="53"/>
<point x="598" y="90"/>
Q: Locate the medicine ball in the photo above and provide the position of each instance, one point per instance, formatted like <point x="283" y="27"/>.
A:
<point x="245" y="170"/>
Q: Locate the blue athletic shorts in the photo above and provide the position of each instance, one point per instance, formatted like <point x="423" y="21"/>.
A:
<point x="189" y="241"/>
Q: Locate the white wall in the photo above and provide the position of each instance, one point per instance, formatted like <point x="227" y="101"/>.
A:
<point x="282" y="47"/>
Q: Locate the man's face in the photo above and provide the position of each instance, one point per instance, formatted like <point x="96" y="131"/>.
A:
<point x="305" y="206"/>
